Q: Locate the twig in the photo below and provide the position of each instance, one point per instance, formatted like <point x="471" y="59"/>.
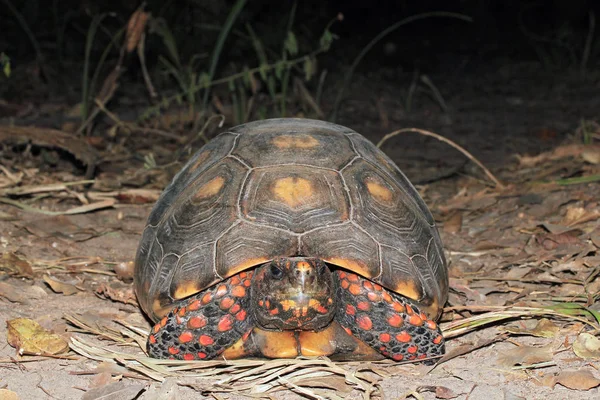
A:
<point x="458" y="147"/>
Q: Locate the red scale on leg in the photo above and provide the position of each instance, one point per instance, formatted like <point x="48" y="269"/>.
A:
<point x="386" y="321"/>
<point x="207" y="325"/>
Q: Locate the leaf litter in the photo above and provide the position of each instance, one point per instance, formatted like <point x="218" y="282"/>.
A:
<point x="524" y="263"/>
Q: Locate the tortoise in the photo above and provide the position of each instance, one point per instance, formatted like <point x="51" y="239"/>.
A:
<point x="291" y="237"/>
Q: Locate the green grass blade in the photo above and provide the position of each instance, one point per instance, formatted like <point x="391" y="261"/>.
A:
<point x="214" y="59"/>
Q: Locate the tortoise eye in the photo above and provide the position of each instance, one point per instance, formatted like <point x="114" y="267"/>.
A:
<point x="276" y="272"/>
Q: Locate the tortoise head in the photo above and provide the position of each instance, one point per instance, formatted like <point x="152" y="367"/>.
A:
<point x="295" y="293"/>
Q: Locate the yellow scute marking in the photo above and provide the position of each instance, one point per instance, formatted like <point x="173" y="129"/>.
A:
<point x="275" y="344"/>
<point x="159" y="309"/>
<point x="250" y="262"/>
<point x="379" y="191"/>
<point x="295" y="142"/>
<point x="293" y="191"/>
<point x="210" y="188"/>
<point x="408" y="289"/>
<point x="185" y="289"/>
<point x="303" y="266"/>
<point x="351" y="265"/>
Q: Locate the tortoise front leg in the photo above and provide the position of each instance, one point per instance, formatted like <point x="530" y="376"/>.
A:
<point x="207" y="324"/>
<point x="386" y="321"/>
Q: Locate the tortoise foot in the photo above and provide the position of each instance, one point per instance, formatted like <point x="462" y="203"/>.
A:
<point x="387" y="322"/>
<point x="205" y="325"/>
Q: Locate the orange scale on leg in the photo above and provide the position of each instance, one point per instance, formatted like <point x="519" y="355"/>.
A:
<point x="163" y="322"/>
<point x="188" y="356"/>
<point x="205" y="340"/>
<point x="238" y="291"/>
<point x="412" y="349"/>
<point x="181" y="312"/>
<point x="235" y="280"/>
<point x="342" y="274"/>
<point x="403" y="337"/>
<point x="374" y="297"/>
<point x="368" y="285"/>
<point x="350" y="309"/>
<point x="386" y="297"/>
<point x="409" y="310"/>
<point x="225" y="323"/>
<point x="345" y="284"/>
<point x="395" y="320"/>
<point x="244" y="274"/>
<point x="202" y="355"/>
<point x="196" y="322"/>
<point x="194" y="305"/>
<point x="235" y="308"/>
<point x="355" y="289"/>
<point x="221" y="291"/>
<point x="207" y="298"/>
<point x="152" y="339"/>
<point x="364" y="322"/>
<point x="178" y="320"/>
<point x="398" y="307"/>
<point x="156" y="328"/>
<point x="385" y="337"/>
<point x="415" y="320"/>
<point x="438" y="339"/>
<point x="364" y="306"/>
<point x="397" y="357"/>
<point x="431" y="324"/>
<point x="247" y="282"/>
<point x="353" y="277"/>
<point x="185" y="337"/>
<point x="226" y="302"/>
<point x="241" y="315"/>
<point x="173" y="350"/>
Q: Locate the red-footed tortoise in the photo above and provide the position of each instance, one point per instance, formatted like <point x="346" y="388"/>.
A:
<point x="291" y="237"/>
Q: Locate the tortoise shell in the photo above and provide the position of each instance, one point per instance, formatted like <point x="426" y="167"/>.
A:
<point x="283" y="188"/>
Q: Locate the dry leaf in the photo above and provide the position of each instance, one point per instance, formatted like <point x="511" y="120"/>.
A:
<point x="587" y="346"/>
<point x="118" y="292"/>
<point x="20" y="294"/>
<point x="543" y="328"/>
<point x="591" y="154"/>
<point x="28" y="337"/>
<point x="114" y="391"/>
<point x="60" y="287"/>
<point x="16" y="265"/>
<point x="135" y="28"/>
<point x="453" y="224"/>
<point x="525" y="355"/>
<point x="6" y="394"/>
<point x="577" y="379"/>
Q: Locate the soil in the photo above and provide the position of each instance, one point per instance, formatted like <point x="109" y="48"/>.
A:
<point x="531" y="243"/>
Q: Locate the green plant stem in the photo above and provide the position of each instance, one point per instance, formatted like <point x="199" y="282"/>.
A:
<point x="340" y="96"/>
<point x="214" y="59"/>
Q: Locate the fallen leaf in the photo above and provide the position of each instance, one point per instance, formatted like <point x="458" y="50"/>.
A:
<point x="525" y="355"/>
<point x="118" y="292"/>
<point x="16" y="265"/>
<point x="577" y="379"/>
<point x="587" y="346"/>
<point x="591" y="154"/>
<point x="167" y="390"/>
<point x="551" y="241"/>
<point x="28" y="337"/>
<point x="543" y="328"/>
<point x="114" y="391"/>
<point x="453" y="224"/>
<point x="21" y="294"/>
<point x="60" y="287"/>
<point x="6" y="394"/>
